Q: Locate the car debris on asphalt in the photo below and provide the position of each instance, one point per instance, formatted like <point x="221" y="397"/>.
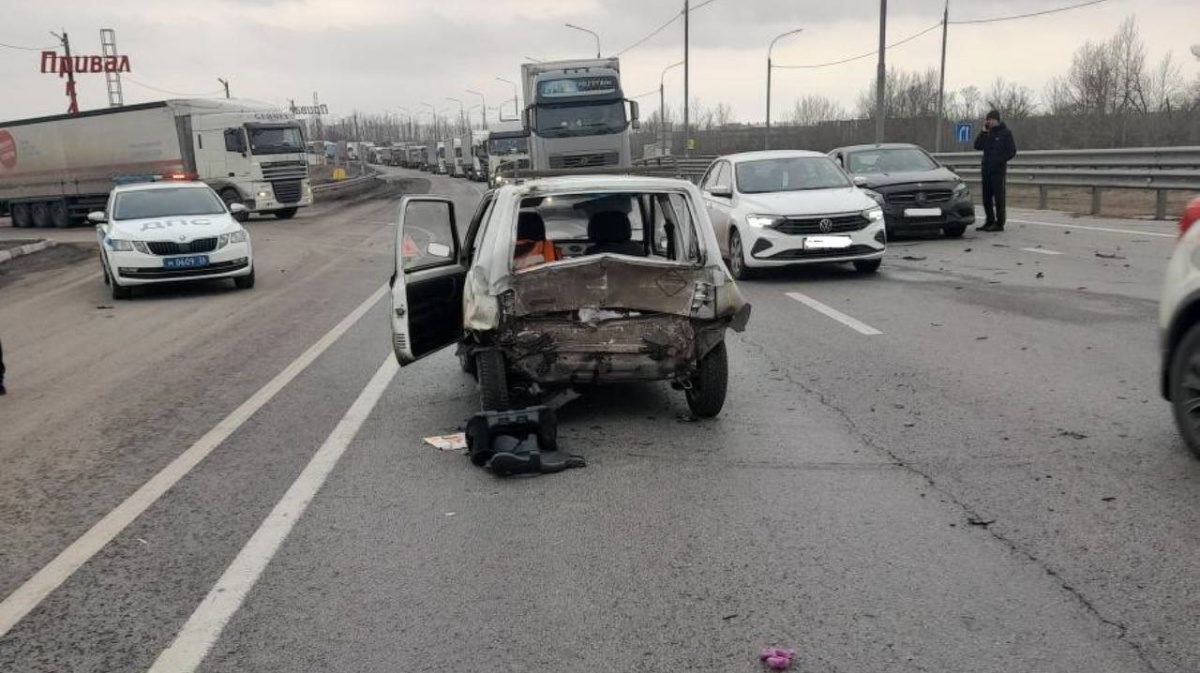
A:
<point x="522" y="441"/>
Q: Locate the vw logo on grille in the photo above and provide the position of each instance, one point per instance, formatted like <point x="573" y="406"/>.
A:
<point x="826" y="225"/>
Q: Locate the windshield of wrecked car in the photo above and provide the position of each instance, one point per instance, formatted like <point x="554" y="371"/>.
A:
<point x="895" y="160"/>
<point x="655" y="225"/>
<point x="166" y="202"/>
<point x="789" y="175"/>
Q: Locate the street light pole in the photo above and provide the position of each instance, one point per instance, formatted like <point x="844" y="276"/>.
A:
<point x="941" y="112"/>
<point x="687" y="145"/>
<point x="594" y="34"/>
<point x="662" y="106"/>
<point x="462" y="112"/>
<point x="516" y="104"/>
<point x="767" y="145"/>
<point x="881" y="74"/>
<point x="483" y="102"/>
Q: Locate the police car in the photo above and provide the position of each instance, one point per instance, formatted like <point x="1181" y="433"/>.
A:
<point x="171" y="231"/>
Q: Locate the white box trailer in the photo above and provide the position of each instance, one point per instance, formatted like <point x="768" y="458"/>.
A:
<point x="54" y="170"/>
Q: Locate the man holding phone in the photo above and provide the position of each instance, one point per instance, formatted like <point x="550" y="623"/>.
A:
<point x="998" y="146"/>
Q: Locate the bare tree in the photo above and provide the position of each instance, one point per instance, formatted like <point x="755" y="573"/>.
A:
<point x="814" y="109"/>
<point x="1165" y="88"/>
<point x="906" y="95"/>
<point x="1014" y="101"/>
<point x="722" y="115"/>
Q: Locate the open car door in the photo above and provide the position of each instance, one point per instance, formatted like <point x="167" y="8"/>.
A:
<point x="427" y="283"/>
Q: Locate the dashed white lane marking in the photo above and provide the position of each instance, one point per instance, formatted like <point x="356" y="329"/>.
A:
<point x="1086" y="228"/>
<point x="852" y="323"/>
<point x="205" y="625"/>
<point x="36" y="588"/>
<point x="1042" y="251"/>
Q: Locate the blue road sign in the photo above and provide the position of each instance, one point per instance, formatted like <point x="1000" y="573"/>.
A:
<point x="962" y="132"/>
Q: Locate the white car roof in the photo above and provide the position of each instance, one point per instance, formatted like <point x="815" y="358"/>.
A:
<point x="162" y="184"/>
<point x="599" y="183"/>
<point x="772" y="154"/>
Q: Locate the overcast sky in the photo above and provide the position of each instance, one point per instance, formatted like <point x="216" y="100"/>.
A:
<point x="374" y="55"/>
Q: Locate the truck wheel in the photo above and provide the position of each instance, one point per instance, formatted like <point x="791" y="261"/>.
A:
<point x="230" y="196"/>
<point x="1184" y="382"/>
<point x="493" y="380"/>
<point x="60" y="215"/>
<point x="706" y="397"/>
<point x="21" y="216"/>
<point x="40" y="212"/>
<point x="286" y="213"/>
<point x="244" y="282"/>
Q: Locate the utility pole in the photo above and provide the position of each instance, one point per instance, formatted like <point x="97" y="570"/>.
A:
<point x="769" y="68"/>
<point x="687" y="135"/>
<point x="483" y="103"/>
<point x="73" y="108"/>
<point x="881" y="75"/>
<point x="941" y="112"/>
<point x="224" y="83"/>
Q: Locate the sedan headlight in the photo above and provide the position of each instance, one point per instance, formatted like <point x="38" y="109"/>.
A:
<point x="961" y="190"/>
<point x="118" y="245"/>
<point x="239" y="236"/>
<point x="874" y="195"/>
<point x="873" y="214"/>
<point x="760" y="221"/>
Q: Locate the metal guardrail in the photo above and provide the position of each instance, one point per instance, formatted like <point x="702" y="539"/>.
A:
<point x="343" y="188"/>
<point x="688" y="168"/>
<point x="1161" y="169"/>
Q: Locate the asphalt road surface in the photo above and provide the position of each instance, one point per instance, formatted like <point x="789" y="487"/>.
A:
<point x="961" y="464"/>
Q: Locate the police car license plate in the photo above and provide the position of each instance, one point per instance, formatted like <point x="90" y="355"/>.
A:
<point x="826" y="242"/>
<point x="193" y="262"/>
<point x="922" y="212"/>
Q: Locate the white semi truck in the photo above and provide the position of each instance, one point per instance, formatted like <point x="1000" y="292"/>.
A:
<point x="507" y="147"/>
<point x="55" y="170"/>
<point x="577" y="115"/>
<point x="475" y="161"/>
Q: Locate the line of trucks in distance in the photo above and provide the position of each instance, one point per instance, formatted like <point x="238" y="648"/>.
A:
<point x="54" y="170"/>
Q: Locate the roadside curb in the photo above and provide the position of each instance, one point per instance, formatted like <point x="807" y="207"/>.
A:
<point x="28" y="249"/>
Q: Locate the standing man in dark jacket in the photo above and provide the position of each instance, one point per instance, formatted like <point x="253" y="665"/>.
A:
<point x="998" y="146"/>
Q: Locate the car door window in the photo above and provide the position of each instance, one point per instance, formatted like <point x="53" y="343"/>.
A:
<point x="428" y="241"/>
<point x="474" y="234"/>
<point x="722" y="179"/>
<point x="709" y="177"/>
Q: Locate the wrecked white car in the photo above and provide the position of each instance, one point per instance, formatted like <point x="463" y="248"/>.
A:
<point x="569" y="281"/>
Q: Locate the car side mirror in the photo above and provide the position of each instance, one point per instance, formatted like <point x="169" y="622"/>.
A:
<point x="721" y="192"/>
<point x="238" y="208"/>
<point x="860" y="181"/>
<point x="97" y="217"/>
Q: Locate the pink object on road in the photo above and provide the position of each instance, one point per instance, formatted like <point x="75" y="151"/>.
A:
<point x="777" y="658"/>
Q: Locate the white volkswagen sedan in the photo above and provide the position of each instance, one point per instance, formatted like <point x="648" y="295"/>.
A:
<point x="166" y="232"/>
<point x="786" y="208"/>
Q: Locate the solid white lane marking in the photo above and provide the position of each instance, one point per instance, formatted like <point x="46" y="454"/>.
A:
<point x="852" y="323"/>
<point x="1042" y="251"/>
<point x="205" y="625"/>
<point x="1087" y="228"/>
<point x="36" y="588"/>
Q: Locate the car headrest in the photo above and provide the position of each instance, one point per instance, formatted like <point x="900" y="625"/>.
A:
<point x="530" y="227"/>
<point x="609" y="226"/>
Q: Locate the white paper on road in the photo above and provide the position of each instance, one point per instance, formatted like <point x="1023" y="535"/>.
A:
<point x="454" y="442"/>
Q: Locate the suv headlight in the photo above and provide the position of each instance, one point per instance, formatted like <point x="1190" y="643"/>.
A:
<point x="873" y="214"/>
<point x="961" y="190"/>
<point x="760" y="221"/>
<point x="118" y="245"/>
<point x="239" y="236"/>
<point x="874" y="195"/>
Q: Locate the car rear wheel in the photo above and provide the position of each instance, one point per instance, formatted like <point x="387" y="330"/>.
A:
<point x="867" y="266"/>
<point x="954" y="232"/>
<point x="1185" y="388"/>
<point x="737" y="258"/>
<point x="706" y="396"/>
<point x="493" y="380"/>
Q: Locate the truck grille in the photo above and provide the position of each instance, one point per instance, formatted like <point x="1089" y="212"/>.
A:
<point x="287" y="191"/>
<point x="558" y="161"/>
<point x="812" y="225"/>
<point x="920" y="197"/>
<point x="173" y="248"/>
<point x="285" y="170"/>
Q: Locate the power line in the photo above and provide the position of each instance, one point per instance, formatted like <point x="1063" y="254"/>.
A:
<point x="1026" y="16"/>
<point x="656" y="31"/>
<point x="13" y="46"/>
<point x="168" y="91"/>
<point x="868" y="54"/>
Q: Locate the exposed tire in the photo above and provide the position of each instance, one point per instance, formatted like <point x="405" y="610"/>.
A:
<point x="40" y="212"/>
<point x="21" y="217"/>
<point x="737" y="258"/>
<point x="706" y="397"/>
<point x="954" y="232"/>
<point x="230" y="196"/>
<point x="244" y="282"/>
<point x="867" y="266"/>
<point x="286" y="213"/>
<point x="493" y="380"/>
<point x="1185" y="388"/>
<point x="60" y="215"/>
